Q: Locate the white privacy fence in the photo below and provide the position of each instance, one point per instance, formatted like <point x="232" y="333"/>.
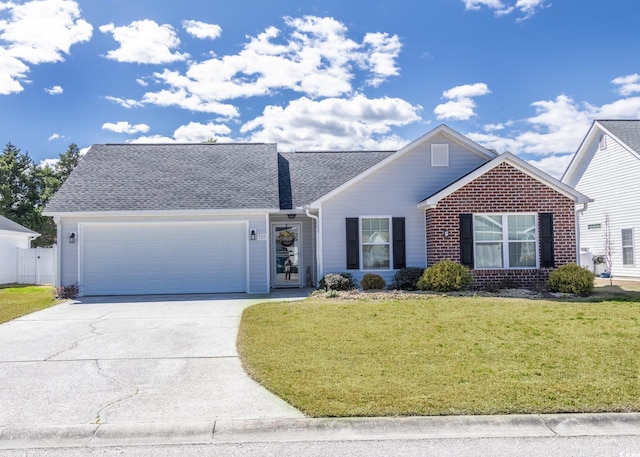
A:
<point x="36" y="266"/>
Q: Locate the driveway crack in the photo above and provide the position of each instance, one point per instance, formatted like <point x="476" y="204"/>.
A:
<point x="93" y="333"/>
<point x="101" y="372"/>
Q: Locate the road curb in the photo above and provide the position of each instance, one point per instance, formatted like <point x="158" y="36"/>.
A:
<point x="305" y="429"/>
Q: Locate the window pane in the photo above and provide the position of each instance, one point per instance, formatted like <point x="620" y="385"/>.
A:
<point x="522" y="255"/>
<point x="487" y="228"/>
<point x="522" y="227"/>
<point x="489" y="255"/>
<point x="375" y="231"/>
<point x="627" y="256"/>
<point x="375" y="257"/>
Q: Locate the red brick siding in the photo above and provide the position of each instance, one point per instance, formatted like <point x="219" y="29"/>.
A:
<point x="504" y="189"/>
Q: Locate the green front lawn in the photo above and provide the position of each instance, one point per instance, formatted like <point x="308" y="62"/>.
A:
<point x="439" y="355"/>
<point x="16" y="301"/>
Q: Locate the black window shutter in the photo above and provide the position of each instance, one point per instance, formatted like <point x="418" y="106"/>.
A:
<point x="353" y="244"/>
<point x="546" y="240"/>
<point x="466" y="239"/>
<point x="399" y="245"/>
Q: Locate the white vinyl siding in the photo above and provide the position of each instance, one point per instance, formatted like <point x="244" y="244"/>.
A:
<point x="394" y="190"/>
<point x="611" y="179"/>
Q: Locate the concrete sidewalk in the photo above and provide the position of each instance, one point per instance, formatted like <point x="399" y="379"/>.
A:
<point x="303" y="429"/>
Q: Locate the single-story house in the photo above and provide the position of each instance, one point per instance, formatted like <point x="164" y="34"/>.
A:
<point x="606" y="166"/>
<point x="13" y="236"/>
<point x="205" y="218"/>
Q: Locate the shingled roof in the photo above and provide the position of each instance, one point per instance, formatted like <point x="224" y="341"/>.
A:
<point x="307" y="176"/>
<point x="169" y="177"/>
<point x="9" y="226"/>
<point x="166" y="177"/>
<point x="628" y="131"/>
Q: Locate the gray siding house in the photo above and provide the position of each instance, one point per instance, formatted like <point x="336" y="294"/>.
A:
<point x="206" y="218"/>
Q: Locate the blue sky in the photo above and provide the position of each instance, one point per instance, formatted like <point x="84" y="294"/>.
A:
<point x="525" y="76"/>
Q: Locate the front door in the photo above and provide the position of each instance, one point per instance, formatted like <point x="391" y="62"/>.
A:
<point x="287" y="254"/>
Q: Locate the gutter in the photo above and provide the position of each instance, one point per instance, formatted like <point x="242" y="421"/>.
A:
<point x="579" y="213"/>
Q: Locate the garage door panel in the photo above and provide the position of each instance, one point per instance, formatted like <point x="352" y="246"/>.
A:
<point x="164" y="258"/>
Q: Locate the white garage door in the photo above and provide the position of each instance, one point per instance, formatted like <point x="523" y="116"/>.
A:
<point x="153" y="258"/>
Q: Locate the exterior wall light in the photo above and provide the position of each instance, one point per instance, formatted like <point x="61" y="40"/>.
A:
<point x="445" y="233"/>
<point x="252" y="235"/>
<point x="72" y="237"/>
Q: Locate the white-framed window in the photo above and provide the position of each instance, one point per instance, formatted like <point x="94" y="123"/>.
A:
<point x="505" y="240"/>
<point x="440" y="155"/>
<point x="627" y="247"/>
<point x="594" y="226"/>
<point x="375" y="243"/>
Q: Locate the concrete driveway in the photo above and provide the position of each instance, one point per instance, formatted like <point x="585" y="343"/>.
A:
<point x="130" y="360"/>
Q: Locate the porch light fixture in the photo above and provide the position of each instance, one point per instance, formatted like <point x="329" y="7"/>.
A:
<point x="445" y="233"/>
<point x="252" y="235"/>
<point x="72" y="237"/>
<point x="291" y="215"/>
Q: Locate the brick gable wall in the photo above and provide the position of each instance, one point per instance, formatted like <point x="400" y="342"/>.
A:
<point x="504" y="189"/>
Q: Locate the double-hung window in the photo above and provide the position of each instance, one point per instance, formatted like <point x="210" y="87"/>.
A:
<point x="376" y="247"/>
<point x="627" y="247"/>
<point x="505" y="240"/>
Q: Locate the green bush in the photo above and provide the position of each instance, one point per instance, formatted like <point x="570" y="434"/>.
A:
<point x="406" y="278"/>
<point x="571" y="279"/>
<point x="372" y="281"/>
<point x="337" y="281"/>
<point x="445" y="276"/>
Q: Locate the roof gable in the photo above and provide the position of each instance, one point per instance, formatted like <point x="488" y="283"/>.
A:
<point x="624" y="132"/>
<point x="517" y="163"/>
<point x="171" y="177"/>
<point x="440" y="130"/>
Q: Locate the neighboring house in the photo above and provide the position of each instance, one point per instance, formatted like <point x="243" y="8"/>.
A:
<point x="202" y="218"/>
<point x="13" y="236"/>
<point x="606" y="166"/>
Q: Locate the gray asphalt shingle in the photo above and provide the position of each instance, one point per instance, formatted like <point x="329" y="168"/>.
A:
<point x="158" y="177"/>
<point x="10" y="226"/>
<point x="627" y="130"/>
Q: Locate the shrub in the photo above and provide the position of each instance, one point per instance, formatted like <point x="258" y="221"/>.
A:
<point x="372" y="281"/>
<point x="445" y="276"/>
<point x="66" y="292"/>
<point x="571" y="279"/>
<point x="337" y="281"/>
<point x="406" y="278"/>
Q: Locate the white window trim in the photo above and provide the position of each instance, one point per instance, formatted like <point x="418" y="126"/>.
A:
<point x="440" y="155"/>
<point x="362" y="243"/>
<point x="505" y="241"/>
<point x="628" y="246"/>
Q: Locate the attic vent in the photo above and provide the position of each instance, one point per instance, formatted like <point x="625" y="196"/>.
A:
<point x="603" y="141"/>
<point x="440" y="155"/>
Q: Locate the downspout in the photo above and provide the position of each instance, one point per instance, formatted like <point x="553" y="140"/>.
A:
<point x="58" y="252"/>
<point x="318" y="243"/>
<point x="578" y="214"/>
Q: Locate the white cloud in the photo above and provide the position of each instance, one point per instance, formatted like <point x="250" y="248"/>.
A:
<point x="194" y="132"/>
<point x="461" y="105"/>
<point x="125" y="127"/>
<point x="125" y="102"/>
<point x="202" y="30"/>
<point x="333" y="123"/>
<point x="13" y="73"/>
<point x="54" y="90"/>
<point x="313" y="56"/>
<point x="144" y="41"/>
<point x="153" y="139"/>
<point x="557" y="129"/>
<point x="36" y="32"/>
<point x="526" y="8"/>
<point x="629" y="84"/>
<point x="54" y="136"/>
<point x="49" y="163"/>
